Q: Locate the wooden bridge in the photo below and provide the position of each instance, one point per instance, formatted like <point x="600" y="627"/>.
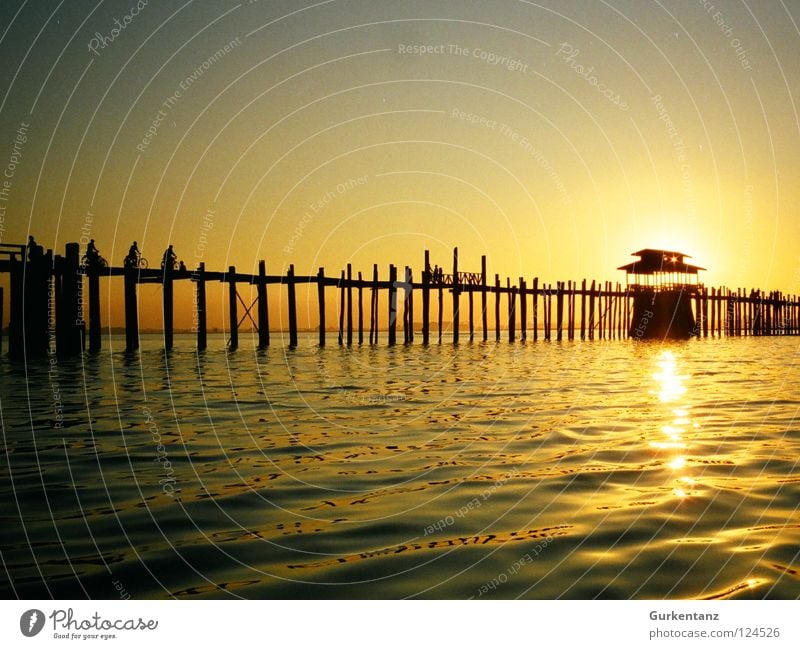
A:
<point x="47" y="304"/>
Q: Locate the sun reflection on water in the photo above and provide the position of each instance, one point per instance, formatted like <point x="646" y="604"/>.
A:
<point x="671" y="390"/>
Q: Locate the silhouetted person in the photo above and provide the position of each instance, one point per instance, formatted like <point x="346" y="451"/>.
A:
<point x="34" y="251"/>
<point x="169" y="258"/>
<point x="132" y="260"/>
<point x="92" y="254"/>
<point x="182" y="267"/>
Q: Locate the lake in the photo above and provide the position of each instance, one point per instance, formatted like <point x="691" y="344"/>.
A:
<point x="605" y="469"/>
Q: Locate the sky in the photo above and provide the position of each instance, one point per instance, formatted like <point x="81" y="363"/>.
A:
<point x="554" y="137"/>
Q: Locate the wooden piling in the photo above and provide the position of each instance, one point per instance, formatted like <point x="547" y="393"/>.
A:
<point x="406" y="310"/>
<point x="591" y="311"/>
<point x="200" y="305"/>
<point x="233" y="309"/>
<point x="523" y="310"/>
<point x="374" y="317"/>
<point x="69" y="317"/>
<point x="263" y="307"/>
<point x="321" y="303"/>
<point x="535" y="309"/>
<point x="583" y="309"/>
<point x="392" y="304"/>
<point x="95" y="327"/>
<point x="471" y="314"/>
<point x="360" y="309"/>
<point x="456" y="294"/>
<point x="292" y="306"/>
<point x="559" y="309"/>
<point x="410" y="305"/>
<point x="426" y="300"/>
<point x="441" y="306"/>
<point x="497" y="308"/>
<point x="131" y="310"/>
<point x="349" y="285"/>
<point x="512" y="306"/>
<point x="167" y="303"/>
<point x="484" y="315"/>
<point x="341" y="308"/>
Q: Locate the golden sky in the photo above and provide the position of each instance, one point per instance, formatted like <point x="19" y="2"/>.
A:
<point x="554" y="137"/>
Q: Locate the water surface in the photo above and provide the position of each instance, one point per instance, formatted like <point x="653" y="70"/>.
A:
<point x="543" y="470"/>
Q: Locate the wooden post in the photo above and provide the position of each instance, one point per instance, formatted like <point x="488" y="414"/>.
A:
<point x="484" y="316"/>
<point x="392" y="304"/>
<point x="341" y="309"/>
<point x="426" y="299"/>
<point x="591" y="311"/>
<point x="512" y="305"/>
<point x="471" y="314"/>
<point x="497" y="308"/>
<point x="705" y="312"/>
<point x="233" y="308"/>
<point x="360" y="309"/>
<point x="69" y="317"/>
<point x="406" y="314"/>
<point x="200" y="303"/>
<point x="456" y="295"/>
<point x="131" y="310"/>
<point x="549" y="331"/>
<point x="168" y="306"/>
<point x="523" y="311"/>
<point x="349" y="305"/>
<point x="410" y="305"/>
<point x="95" y="327"/>
<point x="583" y="309"/>
<point x="263" y="307"/>
<point x="441" y="298"/>
<point x="559" y="309"/>
<point x="321" y="301"/>
<point x="292" y="307"/>
<point x="535" y="309"/>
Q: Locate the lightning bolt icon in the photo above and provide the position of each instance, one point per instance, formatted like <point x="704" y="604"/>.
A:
<point x="32" y="621"/>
